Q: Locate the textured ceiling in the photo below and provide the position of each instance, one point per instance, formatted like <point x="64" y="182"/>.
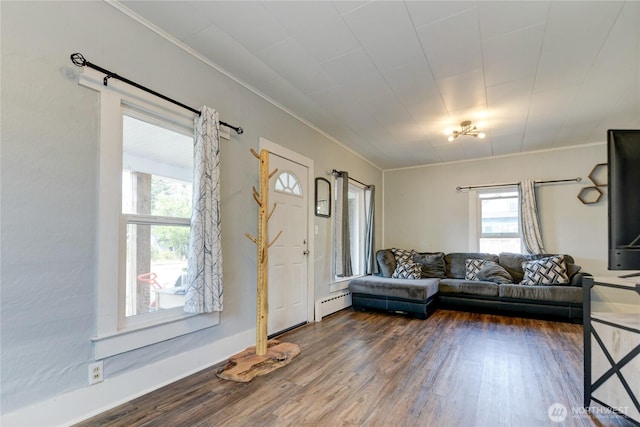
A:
<point x="387" y="78"/>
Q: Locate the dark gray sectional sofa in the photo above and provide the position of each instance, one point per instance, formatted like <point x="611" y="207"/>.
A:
<point x="450" y="289"/>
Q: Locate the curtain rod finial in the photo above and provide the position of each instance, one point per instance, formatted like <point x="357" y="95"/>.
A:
<point x="78" y="59"/>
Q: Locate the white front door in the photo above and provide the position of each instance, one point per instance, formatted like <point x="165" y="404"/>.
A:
<point x="288" y="257"/>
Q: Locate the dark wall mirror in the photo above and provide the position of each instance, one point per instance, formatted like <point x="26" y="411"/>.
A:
<point x="323" y="197"/>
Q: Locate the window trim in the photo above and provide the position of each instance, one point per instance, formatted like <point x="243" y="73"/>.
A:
<point x="113" y="334"/>
<point x="341" y="279"/>
<point x="475" y="218"/>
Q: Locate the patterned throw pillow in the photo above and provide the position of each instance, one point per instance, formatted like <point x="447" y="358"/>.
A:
<point x="545" y="271"/>
<point x="407" y="270"/>
<point x="403" y="255"/>
<point x="473" y="266"/>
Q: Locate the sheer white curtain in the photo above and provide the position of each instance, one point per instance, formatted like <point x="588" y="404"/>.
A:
<point x="529" y="216"/>
<point x="204" y="278"/>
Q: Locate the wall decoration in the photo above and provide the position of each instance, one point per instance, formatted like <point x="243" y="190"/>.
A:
<point x="323" y="197"/>
<point x="598" y="175"/>
<point x="593" y="194"/>
<point x="590" y="195"/>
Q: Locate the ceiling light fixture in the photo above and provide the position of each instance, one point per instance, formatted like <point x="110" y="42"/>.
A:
<point x="466" y="128"/>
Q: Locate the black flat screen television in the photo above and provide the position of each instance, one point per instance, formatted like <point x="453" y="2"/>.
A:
<point x="623" y="154"/>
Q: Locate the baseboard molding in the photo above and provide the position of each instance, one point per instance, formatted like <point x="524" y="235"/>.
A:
<point x="78" y="405"/>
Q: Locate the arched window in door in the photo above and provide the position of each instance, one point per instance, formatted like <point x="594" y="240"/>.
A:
<point x="287" y="182"/>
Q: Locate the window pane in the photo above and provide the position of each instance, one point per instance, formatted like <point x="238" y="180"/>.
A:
<point x="497" y="245"/>
<point x="157" y="169"/>
<point x="499" y="222"/>
<point x="287" y="182"/>
<point x="357" y="229"/>
<point x="156" y="265"/>
<point x="354" y="235"/>
<point x="156" y="181"/>
<point x="499" y="215"/>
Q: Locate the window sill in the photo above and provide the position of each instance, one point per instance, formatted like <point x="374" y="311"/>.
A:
<point x="342" y="283"/>
<point x="138" y="336"/>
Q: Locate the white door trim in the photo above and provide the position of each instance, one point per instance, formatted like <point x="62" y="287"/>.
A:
<point x="286" y="153"/>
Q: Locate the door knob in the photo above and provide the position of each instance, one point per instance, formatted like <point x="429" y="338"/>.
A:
<point x="305" y="252"/>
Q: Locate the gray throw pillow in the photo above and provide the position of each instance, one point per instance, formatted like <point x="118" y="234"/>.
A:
<point x="493" y="272"/>
<point x="572" y="269"/>
<point x="386" y="262"/>
<point x="432" y="264"/>
<point x="455" y="262"/>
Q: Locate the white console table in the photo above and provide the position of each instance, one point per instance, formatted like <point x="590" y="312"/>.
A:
<point x="612" y="345"/>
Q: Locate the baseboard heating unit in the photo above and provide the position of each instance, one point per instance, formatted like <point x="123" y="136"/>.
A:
<point x="331" y="304"/>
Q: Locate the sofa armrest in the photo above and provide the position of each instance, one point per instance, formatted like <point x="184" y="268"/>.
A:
<point x="576" y="280"/>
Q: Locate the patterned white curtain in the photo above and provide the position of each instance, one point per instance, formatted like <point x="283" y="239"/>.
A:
<point x="204" y="277"/>
<point x="529" y="217"/>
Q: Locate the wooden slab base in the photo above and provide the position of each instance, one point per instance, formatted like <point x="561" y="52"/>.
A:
<point x="245" y="366"/>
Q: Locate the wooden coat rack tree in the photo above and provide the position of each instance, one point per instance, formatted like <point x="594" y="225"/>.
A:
<point x="266" y="356"/>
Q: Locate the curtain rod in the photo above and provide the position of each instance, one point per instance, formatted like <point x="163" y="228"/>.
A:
<point x="79" y="60"/>
<point x="471" y="187"/>
<point x="335" y="172"/>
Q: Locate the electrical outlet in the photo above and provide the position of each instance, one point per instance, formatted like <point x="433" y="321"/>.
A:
<point x="96" y="373"/>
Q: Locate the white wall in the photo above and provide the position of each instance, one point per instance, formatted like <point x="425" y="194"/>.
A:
<point x="423" y="210"/>
<point x="49" y="190"/>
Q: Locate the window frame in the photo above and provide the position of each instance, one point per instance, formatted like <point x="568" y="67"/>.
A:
<point x="478" y="216"/>
<point x="114" y="333"/>
<point x="185" y="129"/>
<point x="362" y="231"/>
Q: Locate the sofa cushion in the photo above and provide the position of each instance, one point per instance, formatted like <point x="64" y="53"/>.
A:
<point x="545" y="271"/>
<point x="561" y="294"/>
<point x="403" y="255"/>
<point x="432" y="264"/>
<point x="472" y="266"/>
<point x="572" y="269"/>
<point x="455" y="262"/>
<point x="416" y="290"/>
<point x="513" y="263"/>
<point x="470" y="287"/>
<point x="386" y="262"/>
<point x="493" y="272"/>
<point x="407" y="270"/>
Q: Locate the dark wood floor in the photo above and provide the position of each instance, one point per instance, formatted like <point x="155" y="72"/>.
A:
<point x="373" y="369"/>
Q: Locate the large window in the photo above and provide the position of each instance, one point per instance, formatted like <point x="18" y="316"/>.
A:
<point x="144" y="196"/>
<point x="157" y="169"/>
<point x="357" y="227"/>
<point x="499" y="221"/>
